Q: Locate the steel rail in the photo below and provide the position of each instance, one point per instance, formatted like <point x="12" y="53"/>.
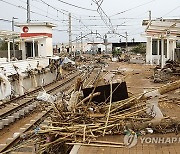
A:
<point x="16" y="108"/>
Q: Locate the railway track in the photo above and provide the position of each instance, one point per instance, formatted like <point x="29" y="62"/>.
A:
<point x="51" y="89"/>
<point x="26" y="104"/>
<point x="27" y="100"/>
<point x="15" y="140"/>
<point x="30" y="93"/>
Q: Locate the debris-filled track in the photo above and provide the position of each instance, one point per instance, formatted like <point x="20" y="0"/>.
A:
<point x="63" y="85"/>
<point x="33" y="92"/>
<point x="22" y="105"/>
<point x="40" y="118"/>
<point x="25" y="101"/>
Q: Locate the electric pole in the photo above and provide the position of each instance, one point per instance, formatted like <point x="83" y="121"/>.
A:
<point x="93" y="46"/>
<point x="70" y="34"/>
<point x="105" y="42"/>
<point x="13" y="38"/>
<point x="28" y="11"/>
<point x="150" y="16"/>
<point x="126" y="42"/>
<point x="81" y="44"/>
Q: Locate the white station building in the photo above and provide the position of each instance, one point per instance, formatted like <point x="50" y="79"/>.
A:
<point x="162" y="36"/>
<point x="36" y="39"/>
<point x="35" y="44"/>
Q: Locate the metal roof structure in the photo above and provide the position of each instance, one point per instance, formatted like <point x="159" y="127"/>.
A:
<point x="8" y="35"/>
<point x="48" y="24"/>
<point x="163" y="28"/>
<point x="29" y="38"/>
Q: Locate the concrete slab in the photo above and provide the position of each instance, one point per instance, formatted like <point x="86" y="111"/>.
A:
<point x="22" y="129"/>
<point x="2" y="146"/>
<point x="27" y="125"/>
<point x="5" y="122"/>
<point x="16" y="115"/>
<point x="34" y="104"/>
<point x="9" y="140"/>
<point x="22" y="112"/>
<point x="31" y="107"/>
<point x="75" y="149"/>
<point x="32" y="121"/>
<point x="16" y="134"/>
<point x="26" y="109"/>
<point x="11" y="118"/>
<point x="1" y="125"/>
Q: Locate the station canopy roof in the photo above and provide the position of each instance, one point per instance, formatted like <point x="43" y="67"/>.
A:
<point x="48" y="24"/>
<point x="163" y="27"/>
<point x="8" y="35"/>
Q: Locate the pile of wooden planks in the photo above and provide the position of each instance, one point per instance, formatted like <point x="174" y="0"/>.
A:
<point x="85" y="121"/>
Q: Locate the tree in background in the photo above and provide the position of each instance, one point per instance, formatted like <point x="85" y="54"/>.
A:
<point x="116" y="53"/>
<point x="178" y="44"/>
<point x="141" y="48"/>
<point x="3" y="45"/>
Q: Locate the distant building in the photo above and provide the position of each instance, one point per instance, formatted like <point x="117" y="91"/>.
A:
<point x="88" y="47"/>
<point x="76" y="47"/>
<point x="162" y="36"/>
<point x="98" y="47"/>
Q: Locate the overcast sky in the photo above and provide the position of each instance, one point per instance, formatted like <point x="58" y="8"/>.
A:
<point x="122" y="16"/>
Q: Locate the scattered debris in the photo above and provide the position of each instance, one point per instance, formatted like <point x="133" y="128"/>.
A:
<point x="84" y="120"/>
<point x="43" y="96"/>
<point x="170" y="70"/>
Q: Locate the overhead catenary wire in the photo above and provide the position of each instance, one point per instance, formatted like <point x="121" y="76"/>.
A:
<point x="53" y="7"/>
<point x="171" y="11"/>
<point x="21" y="7"/>
<point x="79" y="7"/>
<point x="41" y="10"/>
<point x="82" y="24"/>
<point x="133" y="8"/>
<point x="5" y="20"/>
<point x="58" y="10"/>
<point x="108" y="23"/>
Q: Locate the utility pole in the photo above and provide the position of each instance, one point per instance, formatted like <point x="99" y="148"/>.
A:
<point x="150" y="16"/>
<point x="70" y="34"/>
<point x="93" y="46"/>
<point x="81" y="44"/>
<point x="13" y="38"/>
<point x="126" y="42"/>
<point x="76" y="49"/>
<point x="105" y="42"/>
<point x="28" y="11"/>
<point x="62" y="48"/>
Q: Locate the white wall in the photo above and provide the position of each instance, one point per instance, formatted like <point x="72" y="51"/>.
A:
<point x="42" y="48"/>
<point x="155" y="59"/>
<point x="45" y="47"/>
<point x="49" y="47"/>
<point x="37" y="29"/>
<point x="149" y="50"/>
<point x="23" y="48"/>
